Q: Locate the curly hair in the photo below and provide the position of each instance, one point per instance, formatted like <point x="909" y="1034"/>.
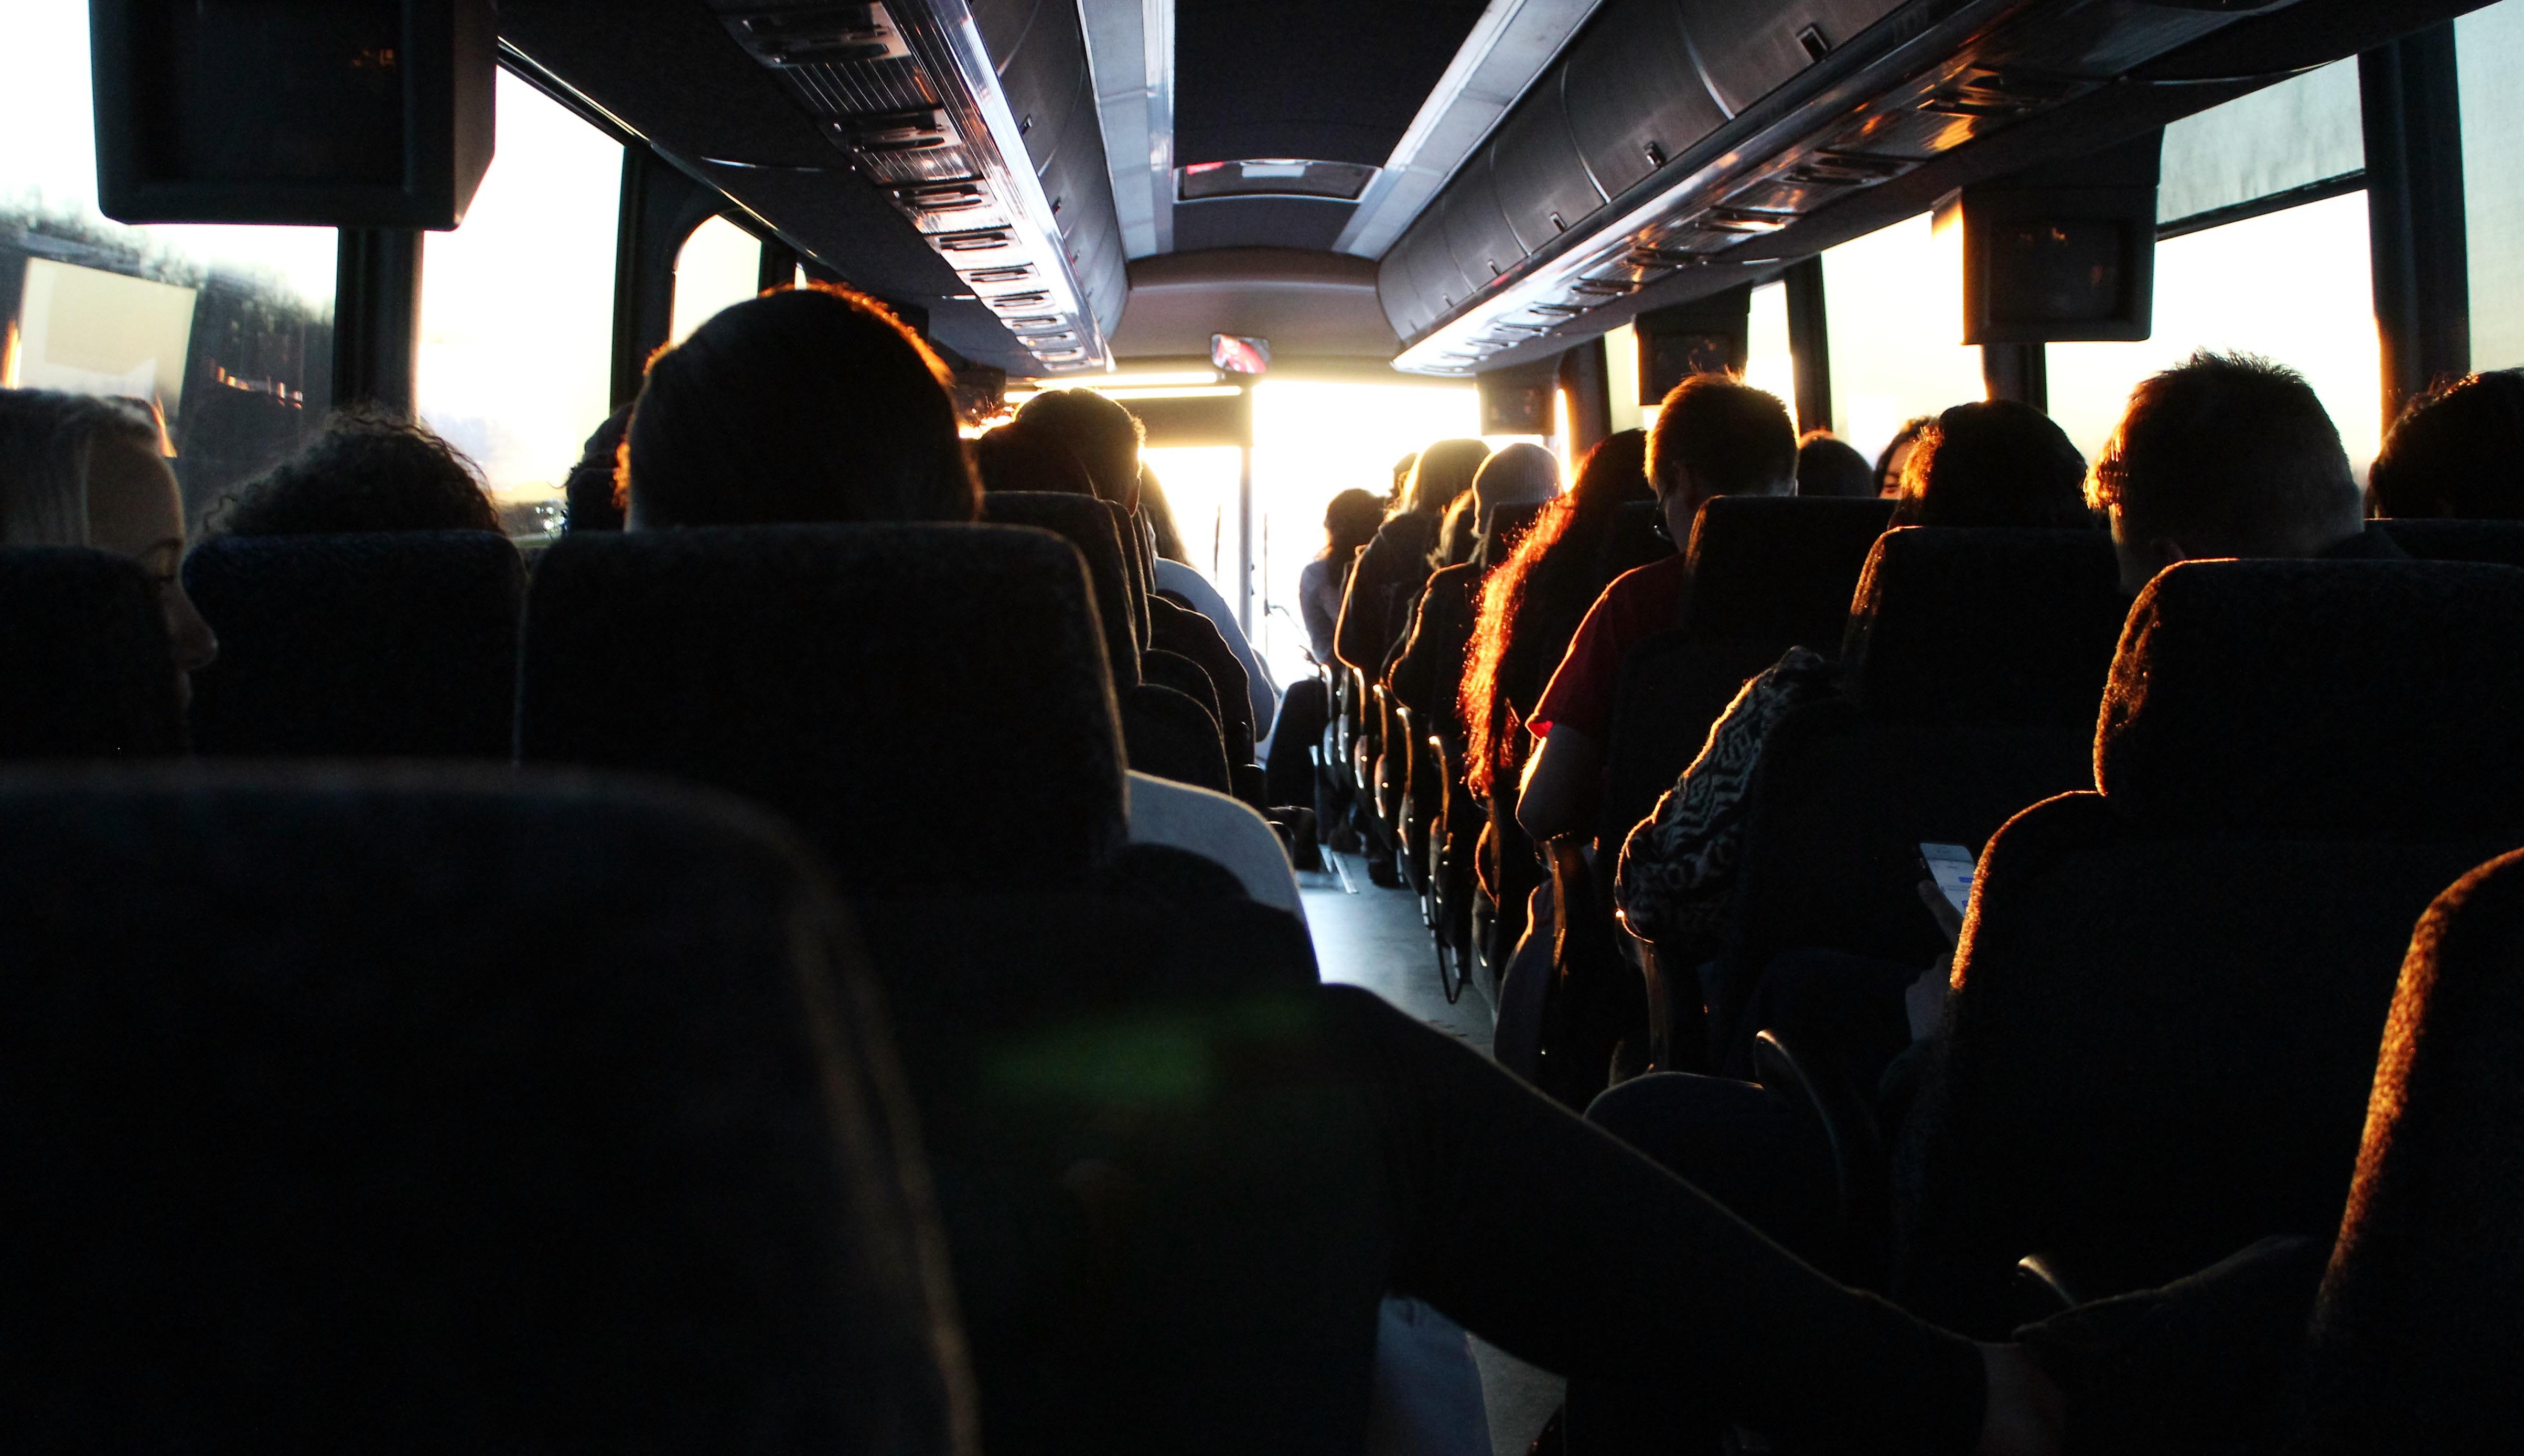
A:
<point x="364" y="469"/>
<point x="1530" y="606"/>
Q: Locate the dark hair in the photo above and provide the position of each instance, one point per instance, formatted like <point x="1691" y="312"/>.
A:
<point x="805" y="404"/>
<point x="1531" y="605"/>
<point x="1159" y="513"/>
<point x="1104" y="436"/>
<point x="1459" y="530"/>
<point x="1828" y="465"/>
<point x="1029" y="457"/>
<point x="363" y="471"/>
<point x="1890" y="460"/>
<point x="1443" y="471"/>
<point x="591" y="494"/>
<point x="1730" y="438"/>
<point x="2230" y="454"/>
<point x="1349" y="522"/>
<point x="2458" y="450"/>
<point x="1994" y="462"/>
<point x="1400" y="490"/>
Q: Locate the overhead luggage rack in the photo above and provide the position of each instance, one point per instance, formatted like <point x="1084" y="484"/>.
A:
<point x="909" y="90"/>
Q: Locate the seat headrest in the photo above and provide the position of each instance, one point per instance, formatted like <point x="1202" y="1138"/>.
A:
<point x="370" y="645"/>
<point x="533" y="1111"/>
<point x="85" y="668"/>
<point x="1089" y="525"/>
<point x="2326" y="698"/>
<point x="1779" y="567"/>
<point x="1985" y="625"/>
<point x="930" y="702"/>
<point x="2498" y="543"/>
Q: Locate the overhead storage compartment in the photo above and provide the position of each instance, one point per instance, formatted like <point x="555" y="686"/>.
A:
<point x="1635" y="94"/>
<point x="1748" y="51"/>
<point x="1443" y="285"/>
<point x="1477" y="231"/>
<point x="1542" y="183"/>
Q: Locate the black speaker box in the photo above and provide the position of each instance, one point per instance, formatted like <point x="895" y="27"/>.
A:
<point x="1710" y="335"/>
<point x="320" y="113"/>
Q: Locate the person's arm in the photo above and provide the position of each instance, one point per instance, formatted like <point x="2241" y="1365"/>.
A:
<point x="1358" y="639"/>
<point x="1563" y="783"/>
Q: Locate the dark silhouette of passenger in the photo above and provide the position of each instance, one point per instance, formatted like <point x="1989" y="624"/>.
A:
<point x="1897" y="453"/>
<point x="1395" y="563"/>
<point x="591" y="496"/>
<point x="1105" y="437"/>
<point x="81" y="470"/>
<point x="1350" y="522"/>
<point x="2456" y="451"/>
<point x="1428" y="675"/>
<point x="1029" y="457"/>
<point x="1829" y="466"/>
<point x="1224" y="1239"/>
<point x="363" y="471"/>
<point x="1713" y="437"/>
<point x="2228" y="454"/>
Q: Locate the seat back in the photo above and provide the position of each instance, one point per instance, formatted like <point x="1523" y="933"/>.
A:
<point x="379" y="644"/>
<point x="2414" y="1334"/>
<point x="1630" y="540"/>
<point x="1089" y="525"/>
<point x="930" y="704"/>
<point x="450" y="1110"/>
<point x="86" y="669"/>
<point x="2170" y="992"/>
<point x="1976" y="663"/>
<point x="1768" y="574"/>
<point x="2496" y="543"/>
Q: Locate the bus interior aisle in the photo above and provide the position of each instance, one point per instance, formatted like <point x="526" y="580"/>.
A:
<point x="990" y="727"/>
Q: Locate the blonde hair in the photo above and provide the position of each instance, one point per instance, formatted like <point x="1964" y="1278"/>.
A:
<point x="44" y="442"/>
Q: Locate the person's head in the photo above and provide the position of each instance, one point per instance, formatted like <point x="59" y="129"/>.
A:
<point x="805" y="405"/>
<point x="1029" y="457"/>
<point x="1896" y="455"/>
<point x="364" y="470"/>
<point x="1441" y="473"/>
<point x="1400" y="490"/>
<point x="1614" y="472"/>
<point x="1994" y="462"/>
<point x="1104" y="436"/>
<point x="1829" y="466"/>
<point x="1715" y="436"/>
<point x="2224" y="454"/>
<point x="78" y="471"/>
<point x="2457" y="451"/>
<point x="1459" y="531"/>
<point x="589" y="492"/>
<point x="1519" y="475"/>
<point x="1350" y="522"/>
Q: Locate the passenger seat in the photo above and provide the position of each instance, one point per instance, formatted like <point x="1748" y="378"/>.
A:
<point x="85" y="668"/>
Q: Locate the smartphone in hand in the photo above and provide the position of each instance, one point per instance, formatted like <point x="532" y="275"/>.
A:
<point x="1950" y="868"/>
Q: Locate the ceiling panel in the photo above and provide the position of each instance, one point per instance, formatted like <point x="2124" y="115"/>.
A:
<point x="1337" y="81"/>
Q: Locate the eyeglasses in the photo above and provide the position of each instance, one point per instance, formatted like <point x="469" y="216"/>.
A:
<point x="1656" y="523"/>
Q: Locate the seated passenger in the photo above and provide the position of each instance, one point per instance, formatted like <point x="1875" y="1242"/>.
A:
<point x="1305" y="709"/>
<point x="1829" y="466"/>
<point x="1997" y="463"/>
<point x="363" y="471"/>
<point x="1233" y="1210"/>
<point x="588" y="499"/>
<point x="1029" y="457"/>
<point x="2456" y="451"/>
<point x="1897" y="453"/>
<point x="1428" y="675"/>
<point x="1395" y="563"/>
<point x="79" y="471"/>
<point x="1713" y="437"/>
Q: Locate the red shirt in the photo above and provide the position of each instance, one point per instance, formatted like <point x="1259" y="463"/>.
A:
<point x="1638" y="604"/>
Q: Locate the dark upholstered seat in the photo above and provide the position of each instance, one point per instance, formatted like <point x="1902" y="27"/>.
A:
<point x="2496" y="543"/>
<point x="1169" y="733"/>
<point x="930" y="704"/>
<point x="1767" y="574"/>
<point x="2413" y="1340"/>
<point x="1975" y="663"/>
<point x="380" y="644"/>
<point x="448" y="1110"/>
<point x="86" y="669"/>
<point x="1187" y="634"/>
<point x="1630" y="540"/>
<point x="1089" y="525"/>
<point x="2170" y="992"/>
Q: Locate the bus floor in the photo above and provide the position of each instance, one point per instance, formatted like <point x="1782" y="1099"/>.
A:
<point x="1375" y="939"/>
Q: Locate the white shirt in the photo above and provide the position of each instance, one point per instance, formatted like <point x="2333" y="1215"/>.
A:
<point x="1192" y="587"/>
<point x="1216" y="828"/>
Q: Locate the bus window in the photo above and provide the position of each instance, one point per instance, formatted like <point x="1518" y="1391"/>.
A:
<point x="227" y="330"/>
<point x="719" y="264"/>
<point x="2294" y="284"/>
<point x="2488" y="45"/>
<point x="1894" y="309"/>
<point x="516" y="307"/>
<point x="1768" y="364"/>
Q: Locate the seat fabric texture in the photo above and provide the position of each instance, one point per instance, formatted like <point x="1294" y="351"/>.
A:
<point x="1179" y="629"/>
<point x="1170" y="734"/>
<point x="441" y="1110"/>
<point x="374" y="645"/>
<point x="929" y="703"/>
<point x="1089" y="525"/>
<point x="85" y="668"/>
<point x="2413" y="1337"/>
<point x="2170" y="992"/>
